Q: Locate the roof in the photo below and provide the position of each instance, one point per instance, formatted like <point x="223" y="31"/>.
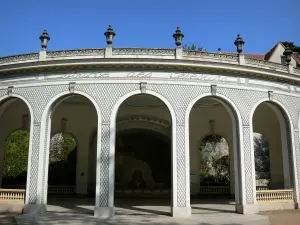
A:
<point x="270" y="52"/>
<point x="250" y="55"/>
<point x="296" y="57"/>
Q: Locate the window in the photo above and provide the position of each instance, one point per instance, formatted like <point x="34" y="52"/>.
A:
<point x="283" y="60"/>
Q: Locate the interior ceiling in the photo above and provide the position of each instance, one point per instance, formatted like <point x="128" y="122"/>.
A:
<point x="141" y="101"/>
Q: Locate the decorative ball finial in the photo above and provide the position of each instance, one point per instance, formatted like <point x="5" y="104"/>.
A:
<point x="178" y="36"/>
<point x="44" y="39"/>
<point x="288" y="54"/>
<point x="109" y="34"/>
<point x="239" y="42"/>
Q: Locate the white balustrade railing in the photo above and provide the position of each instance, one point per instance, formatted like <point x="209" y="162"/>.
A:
<point x="272" y="196"/>
<point x="61" y="189"/>
<point x="52" y="189"/>
<point x="12" y="195"/>
<point x="262" y="188"/>
<point x="214" y="189"/>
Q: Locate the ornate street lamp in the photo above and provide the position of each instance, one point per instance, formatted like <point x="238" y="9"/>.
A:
<point x="288" y="55"/>
<point x="178" y="36"/>
<point x="44" y="39"/>
<point x="239" y="42"/>
<point x="109" y="34"/>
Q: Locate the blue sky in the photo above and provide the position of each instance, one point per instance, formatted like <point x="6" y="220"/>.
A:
<point x="147" y="23"/>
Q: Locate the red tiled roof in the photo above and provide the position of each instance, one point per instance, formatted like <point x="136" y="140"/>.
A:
<point x="250" y="55"/>
<point x="256" y="56"/>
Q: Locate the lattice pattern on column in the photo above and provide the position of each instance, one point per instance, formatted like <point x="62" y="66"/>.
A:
<point x="34" y="163"/>
<point x="248" y="165"/>
<point x="181" y="173"/>
<point x="104" y="166"/>
<point x="297" y="150"/>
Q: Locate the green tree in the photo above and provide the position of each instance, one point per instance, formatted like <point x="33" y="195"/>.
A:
<point x="291" y="45"/>
<point x="16" y="153"/>
<point x="61" y="146"/>
<point x="214" y="165"/>
<point x="193" y="47"/>
<point x="262" y="158"/>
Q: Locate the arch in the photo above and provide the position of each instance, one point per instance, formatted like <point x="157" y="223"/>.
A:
<point x="113" y="141"/>
<point x="144" y="122"/>
<point x="13" y="95"/>
<point x="279" y="109"/>
<point x="45" y="138"/>
<point x="237" y="140"/>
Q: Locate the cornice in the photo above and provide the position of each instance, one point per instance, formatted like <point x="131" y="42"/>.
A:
<point x="164" y="60"/>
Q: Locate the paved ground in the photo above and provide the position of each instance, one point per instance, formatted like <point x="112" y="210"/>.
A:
<point x="283" y="217"/>
<point x="203" y="213"/>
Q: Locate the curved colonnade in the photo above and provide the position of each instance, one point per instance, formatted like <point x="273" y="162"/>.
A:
<point x="228" y="90"/>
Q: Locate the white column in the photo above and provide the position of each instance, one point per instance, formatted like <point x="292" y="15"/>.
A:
<point x="104" y="206"/>
<point x="180" y="173"/>
<point x="296" y="165"/>
<point x="247" y="185"/>
<point x="32" y="200"/>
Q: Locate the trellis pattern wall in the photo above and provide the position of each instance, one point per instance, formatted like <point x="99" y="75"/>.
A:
<point x="179" y="96"/>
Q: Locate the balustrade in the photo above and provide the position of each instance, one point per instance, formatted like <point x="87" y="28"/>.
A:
<point x="269" y="196"/>
<point x="12" y="195"/>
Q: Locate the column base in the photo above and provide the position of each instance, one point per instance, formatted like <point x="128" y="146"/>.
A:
<point x="181" y="211"/>
<point x="246" y="209"/>
<point x="104" y="212"/>
<point x="34" y="209"/>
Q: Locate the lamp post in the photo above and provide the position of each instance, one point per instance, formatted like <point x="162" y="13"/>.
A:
<point x="178" y="36"/>
<point x="44" y="39"/>
<point x="239" y="42"/>
<point x="109" y="34"/>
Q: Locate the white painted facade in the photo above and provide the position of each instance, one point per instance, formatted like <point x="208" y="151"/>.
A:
<point x="188" y="89"/>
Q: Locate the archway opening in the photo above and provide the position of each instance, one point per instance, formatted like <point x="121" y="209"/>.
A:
<point x="214" y="162"/>
<point x="143" y="153"/>
<point x="71" y="122"/>
<point x="273" y="155"/>
<point x="62" y="163"/>
<point x="262" y="161"/>
<point x="213" y="132"/>
<point x="15" y="140"/>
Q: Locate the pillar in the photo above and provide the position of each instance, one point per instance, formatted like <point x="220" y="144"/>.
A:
<point x="246" y="196"/>
<point x="180" y="173"/>
<point x="296" y="166"/>
<point x="104" y="206"/>
<point x="32" y="201"/>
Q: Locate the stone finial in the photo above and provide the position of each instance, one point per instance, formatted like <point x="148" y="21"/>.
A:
<point x="109" y="34"/>
<point x="239" y="42"/>
<point x="288" y="54"/>
<point x="178" y="36"/>
<point x="44" y="39"/>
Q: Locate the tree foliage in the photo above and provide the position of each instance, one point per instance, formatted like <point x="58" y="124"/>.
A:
<point x="193" y="47"/>
<point x="61" y="146"/>
<point x="262" y="158"/>
<point x="62" y="160"/>
<point x="291" y="45"/>
<point x="16" y="154"/>
<point x="214" y="161"/>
